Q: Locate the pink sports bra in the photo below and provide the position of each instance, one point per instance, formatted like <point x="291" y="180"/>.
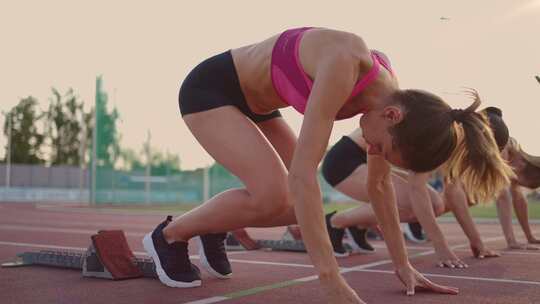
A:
<point x="291" y="81"/>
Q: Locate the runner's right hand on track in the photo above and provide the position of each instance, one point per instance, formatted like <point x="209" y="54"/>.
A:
<point x="413" y="280"/>
<point x="521" y="246"/>
<point x="339" y="292"/>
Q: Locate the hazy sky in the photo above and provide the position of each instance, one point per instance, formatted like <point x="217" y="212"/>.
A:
<point x="144" y="49"/>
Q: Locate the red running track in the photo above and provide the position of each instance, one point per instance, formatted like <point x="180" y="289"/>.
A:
<point x="259" y="276"/>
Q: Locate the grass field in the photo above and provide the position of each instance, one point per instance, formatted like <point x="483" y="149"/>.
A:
<point x="481" y="211"/>
<point x="490" y="211"/>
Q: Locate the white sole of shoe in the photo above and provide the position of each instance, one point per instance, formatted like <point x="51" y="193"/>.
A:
<point x="409" y="235"/>
<point x="341" y="255"/>
<point x="206" y="265"/>
<point x="148" y="245"/>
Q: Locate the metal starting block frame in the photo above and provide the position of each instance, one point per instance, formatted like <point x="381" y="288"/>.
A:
<point x="282" y="245"/>
<point x="286" y="243"/>
<point x="88" y="262"/>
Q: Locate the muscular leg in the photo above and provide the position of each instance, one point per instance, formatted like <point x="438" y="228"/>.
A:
<point x="225" y="133"/>
<point x="456" y="200"/>
<point x="362" y="216"/>
<point x="355" y="187"/>
<point x="283" y="139"/>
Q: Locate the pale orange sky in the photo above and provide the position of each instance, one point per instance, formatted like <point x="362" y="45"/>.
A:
<point x="145" y="49"/>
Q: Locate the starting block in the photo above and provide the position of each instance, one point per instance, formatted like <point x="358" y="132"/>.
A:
<point x="290" y="241"/>
<point x="108" y="257"/>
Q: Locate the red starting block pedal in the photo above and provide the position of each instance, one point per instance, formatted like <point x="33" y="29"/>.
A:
<point x="109" y="256"/>
<point x="239" y="238"/>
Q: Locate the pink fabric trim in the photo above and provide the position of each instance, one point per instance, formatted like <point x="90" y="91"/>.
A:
<point x="368" y="78"/>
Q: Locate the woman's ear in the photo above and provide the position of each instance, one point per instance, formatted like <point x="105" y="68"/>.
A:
<point x="394" y="114"/>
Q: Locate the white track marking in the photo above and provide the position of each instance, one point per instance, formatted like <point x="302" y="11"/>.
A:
<point x="459" y="277"/>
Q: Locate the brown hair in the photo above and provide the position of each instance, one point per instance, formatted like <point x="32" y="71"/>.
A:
<point x="432" y="133"/>
<point x="497" y="126"/>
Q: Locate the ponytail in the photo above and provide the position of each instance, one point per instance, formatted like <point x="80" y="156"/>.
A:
<point x="476" y="160"/>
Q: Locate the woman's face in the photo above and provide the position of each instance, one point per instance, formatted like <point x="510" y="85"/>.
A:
<point x="375" y="125"/>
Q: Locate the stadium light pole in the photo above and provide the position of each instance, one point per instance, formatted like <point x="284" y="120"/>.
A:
<point x="82" y="150"/>
<point x="94" y="158"/>
<point x="206" y="183"/>
<point x="148" y="165"/>
<point x="8" y="156"/>
<point x="114" y="156"/>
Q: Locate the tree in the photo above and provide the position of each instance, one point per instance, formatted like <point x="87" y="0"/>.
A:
<point x="107" y="146"/>
<point x="130" y="160"/>
<point x="161" y="165"/>
<point x="218" y="171"/>
<point x="66" y="121"/>
<point x="26" y="138"/>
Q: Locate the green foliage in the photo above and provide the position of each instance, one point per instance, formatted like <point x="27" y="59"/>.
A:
<point x="161" y="164"/>
<point x="26" y="138"/>
<point x="131" y="160"/>
<point x="107" y="146"/>
<point x="66" y="122"/>
<point x="218" y="171"/>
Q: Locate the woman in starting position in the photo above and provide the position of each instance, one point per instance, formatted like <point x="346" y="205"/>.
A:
<point x="230" y="103"/>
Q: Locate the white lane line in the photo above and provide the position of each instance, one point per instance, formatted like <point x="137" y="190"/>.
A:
<point x="459" y="277"/>
<point x="307" y="279"/>
<point x="510" y="252"/>
<point x="271" y="263"/>
<point x="457" y="247"/>
<point x="208" y="300"/>
<point x="60" y="230"/>
<point x="357" y="268"/>
<point x="45" y="246"/>
<point x="99" y="225"/>
<point x="407" y="247"/>
<point x="142" y="253"/>
<point x="302" y="279"/>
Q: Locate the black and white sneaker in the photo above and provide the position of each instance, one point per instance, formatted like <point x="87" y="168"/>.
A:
<point x="336" y="237"/>
<point x="214" y="256"/>
<point x="173" y="266"/>
<point x="358" y="240"/>
<point x="414" y="232"/>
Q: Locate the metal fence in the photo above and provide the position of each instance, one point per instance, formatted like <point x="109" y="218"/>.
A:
<point x="37" y="183"/>
<point x="36" y="176"/>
